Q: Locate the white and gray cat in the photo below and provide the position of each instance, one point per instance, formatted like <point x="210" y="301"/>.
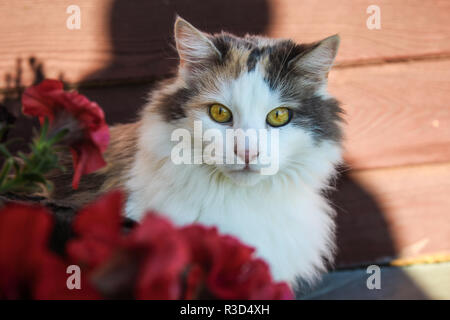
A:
<point x="228" y="82"/>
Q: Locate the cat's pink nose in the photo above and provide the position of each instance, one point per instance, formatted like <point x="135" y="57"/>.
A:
<point x="246" y="155"/>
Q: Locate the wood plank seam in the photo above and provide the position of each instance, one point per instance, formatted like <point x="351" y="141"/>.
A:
<point x="398" y="59"/>
<point x="104" y="83"/>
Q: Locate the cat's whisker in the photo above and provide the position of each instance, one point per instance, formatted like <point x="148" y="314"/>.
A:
<point x="210" y="175"/>
<point x="282" y="64"/>
<point x="294" y="161"/>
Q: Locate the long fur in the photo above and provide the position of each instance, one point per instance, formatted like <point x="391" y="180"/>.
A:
<point x="285" y="216"/>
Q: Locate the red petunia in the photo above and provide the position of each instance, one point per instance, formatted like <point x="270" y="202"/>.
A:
<point x="27" y="268"/>
<point x="155" y="260"/>
<point x="163" y="258"/>
<point x="24" y="232"/>
<point x="225" y="268"/>
<point x="145" y="264"/>
<point x="98" y="227"/>
<point x="91" y="136"/>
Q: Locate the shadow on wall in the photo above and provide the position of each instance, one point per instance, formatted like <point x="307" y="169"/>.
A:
<point x="363" y="232"/>
<point x="145" y="28"/>
<point x="363" y="238"/>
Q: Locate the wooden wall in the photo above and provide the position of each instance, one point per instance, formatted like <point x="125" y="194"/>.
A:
<point x="394" y="84"/>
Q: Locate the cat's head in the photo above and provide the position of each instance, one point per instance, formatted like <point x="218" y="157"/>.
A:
<point x="227" y="82"/>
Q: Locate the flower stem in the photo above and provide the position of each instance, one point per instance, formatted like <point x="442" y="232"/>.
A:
<point x="25" y="173"/>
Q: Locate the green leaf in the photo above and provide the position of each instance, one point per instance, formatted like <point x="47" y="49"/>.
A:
<point x="4" y="151"/>
<point x="44" y="129"/>
<point x="58" y="136"/>
<point x="5" y="170"/>
<point x="29" y="172"/>
<point x="22" y="156"/>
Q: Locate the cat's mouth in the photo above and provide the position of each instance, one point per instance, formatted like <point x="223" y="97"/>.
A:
<point x="245" y="169"/>
<point x="245" y="175"/>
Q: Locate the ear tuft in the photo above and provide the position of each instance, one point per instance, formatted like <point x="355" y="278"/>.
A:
<point x="192" y="44"/>
<point x="320" y="58"/>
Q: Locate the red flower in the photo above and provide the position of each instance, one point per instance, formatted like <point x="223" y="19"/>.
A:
<point x="146" y="264"/>
<point x="51" y="284"/>
<point x="149" y="262"/>
<point x="98" y="227"/>
<point x="48" y="99"/>
<point x="164" y="256"/>
<point x="27" y="268"/>
<point x="24" y="234"/>
<point x="154" y="261"/>
<point x="226" y="269"/>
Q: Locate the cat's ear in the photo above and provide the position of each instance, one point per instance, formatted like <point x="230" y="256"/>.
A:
<point x="319" y="59"/>
<point x="192" y="44"/>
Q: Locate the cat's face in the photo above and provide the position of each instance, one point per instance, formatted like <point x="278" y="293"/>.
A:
<point x="253" y="84"/>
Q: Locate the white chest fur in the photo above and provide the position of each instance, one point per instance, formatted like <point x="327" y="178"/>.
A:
<point x="290" y="225"/>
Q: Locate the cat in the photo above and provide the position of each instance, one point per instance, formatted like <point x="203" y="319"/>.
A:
<point x="229" y="82"/>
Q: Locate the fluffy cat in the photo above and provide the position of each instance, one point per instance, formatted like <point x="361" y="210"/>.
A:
<point x="284" y="216"/>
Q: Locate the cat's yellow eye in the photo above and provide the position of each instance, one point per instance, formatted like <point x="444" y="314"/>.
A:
<point x="279" y="117"/>
<point x="220" y="113"/>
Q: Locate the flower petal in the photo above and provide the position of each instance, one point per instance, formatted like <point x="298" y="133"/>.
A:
<point x="164" y="257"/>
<point x="229" y="270"/>
<point x="98" y="228"/>
<point x="88" y="131"/>
<point x="24" y="232"/>
<point x="41" y="100"/>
